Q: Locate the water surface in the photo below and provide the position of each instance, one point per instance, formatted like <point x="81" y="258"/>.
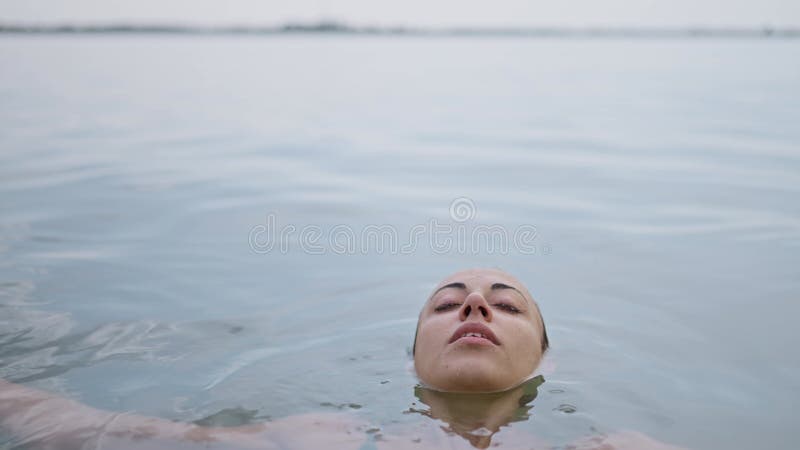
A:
<point x="662" y="178"/>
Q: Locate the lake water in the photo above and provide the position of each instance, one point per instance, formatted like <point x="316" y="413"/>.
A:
<point x="138" y="175"/>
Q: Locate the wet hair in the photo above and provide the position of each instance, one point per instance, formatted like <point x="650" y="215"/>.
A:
<point x="545" y="341"/>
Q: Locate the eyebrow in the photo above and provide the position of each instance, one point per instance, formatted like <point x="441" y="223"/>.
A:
<point x="495" y="287"/>
<point x="451" y="285"/>
<point x="498" y="286"/>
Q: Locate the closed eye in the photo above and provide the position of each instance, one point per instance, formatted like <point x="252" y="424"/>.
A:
<point x="506" y="307"/>
<point x="446" y="306"/>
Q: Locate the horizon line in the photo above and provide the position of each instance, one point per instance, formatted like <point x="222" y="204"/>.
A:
<point x="334" y="27"/>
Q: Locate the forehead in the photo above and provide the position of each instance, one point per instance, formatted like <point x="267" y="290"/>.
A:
<point x="481" y="279"/>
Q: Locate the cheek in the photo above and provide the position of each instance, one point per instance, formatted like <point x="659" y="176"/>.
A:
<point x="523" y="343"/>
<point x="430" y="335"/>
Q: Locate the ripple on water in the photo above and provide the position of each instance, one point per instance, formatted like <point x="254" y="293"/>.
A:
<point x="566" y="408"/>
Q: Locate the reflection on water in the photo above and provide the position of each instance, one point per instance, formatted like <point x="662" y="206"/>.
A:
<point x="477" y="417"/>
<point x="661" y="176"/>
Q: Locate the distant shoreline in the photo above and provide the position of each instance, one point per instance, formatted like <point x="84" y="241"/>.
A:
<point x="341" y="29"/>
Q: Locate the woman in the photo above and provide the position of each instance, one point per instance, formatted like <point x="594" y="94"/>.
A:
<point x="480" y="338"/>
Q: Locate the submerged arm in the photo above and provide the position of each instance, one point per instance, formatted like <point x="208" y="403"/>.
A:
<point x="43" y="420"/>
<point x="50" y="421"/>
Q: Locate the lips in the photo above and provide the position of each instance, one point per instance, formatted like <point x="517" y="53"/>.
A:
<point x="474" y="330"/>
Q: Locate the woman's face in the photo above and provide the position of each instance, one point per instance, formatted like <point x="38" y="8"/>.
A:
<point x="479" y="332"/>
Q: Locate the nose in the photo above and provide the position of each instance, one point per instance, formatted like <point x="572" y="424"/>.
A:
<point x="475" y="303"/>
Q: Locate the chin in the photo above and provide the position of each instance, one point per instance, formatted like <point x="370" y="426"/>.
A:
<point x="468" y="376"/>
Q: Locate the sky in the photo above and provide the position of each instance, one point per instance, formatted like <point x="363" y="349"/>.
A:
<point x="715" y="13"/>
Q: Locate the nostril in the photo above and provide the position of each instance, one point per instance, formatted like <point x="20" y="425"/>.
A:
<point x="467" y="310"/>
<point x="484" y="312"/>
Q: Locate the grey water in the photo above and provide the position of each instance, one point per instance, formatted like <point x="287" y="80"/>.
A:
<point x="661" y="177"/>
